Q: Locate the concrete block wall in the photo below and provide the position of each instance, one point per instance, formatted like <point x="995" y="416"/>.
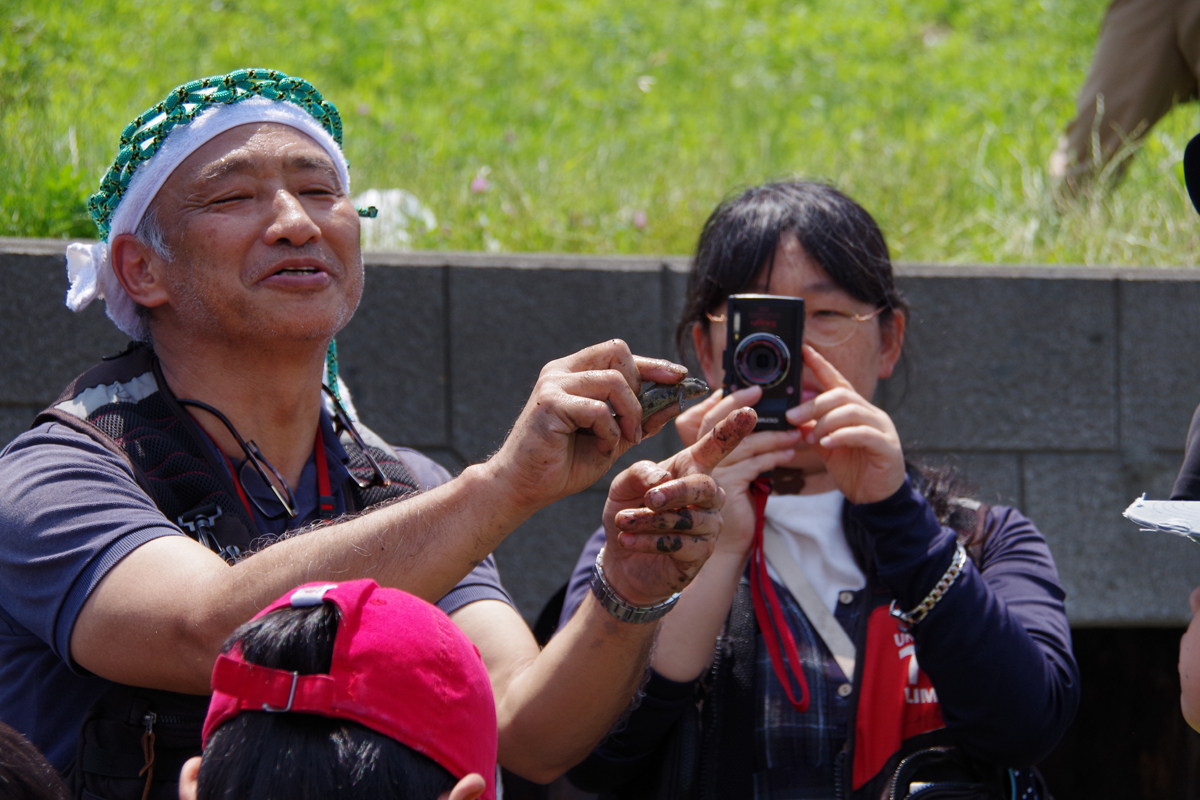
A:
<point x="1065" y="392"/>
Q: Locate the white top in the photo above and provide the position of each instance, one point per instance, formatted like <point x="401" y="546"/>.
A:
<point x="811" y="526"/>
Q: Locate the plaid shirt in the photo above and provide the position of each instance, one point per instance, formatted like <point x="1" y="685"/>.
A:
<point x="799" y="752"/>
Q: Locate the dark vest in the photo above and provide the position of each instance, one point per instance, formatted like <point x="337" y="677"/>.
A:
<point x="134" y="741"/>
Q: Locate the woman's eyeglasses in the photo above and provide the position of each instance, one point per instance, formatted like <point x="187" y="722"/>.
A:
<point x="826" y="327"/>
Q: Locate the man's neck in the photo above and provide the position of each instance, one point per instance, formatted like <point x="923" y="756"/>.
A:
<point x="271" y="397"/>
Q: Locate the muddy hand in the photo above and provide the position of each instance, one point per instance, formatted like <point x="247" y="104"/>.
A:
<point x="663" y="519"/>
<point x="544" y="458"/>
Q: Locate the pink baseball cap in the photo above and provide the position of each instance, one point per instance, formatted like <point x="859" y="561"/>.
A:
<point x="400" y="667"/>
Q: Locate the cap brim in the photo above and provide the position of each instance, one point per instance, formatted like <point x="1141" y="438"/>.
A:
<point x="1191" y="170"/>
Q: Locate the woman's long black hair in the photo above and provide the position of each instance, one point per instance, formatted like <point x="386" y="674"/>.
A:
<point x="740" y="237"/>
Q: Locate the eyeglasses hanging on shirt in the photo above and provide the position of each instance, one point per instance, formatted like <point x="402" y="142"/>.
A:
<point x="253" y="471"/>
<point x="342" y="421"/>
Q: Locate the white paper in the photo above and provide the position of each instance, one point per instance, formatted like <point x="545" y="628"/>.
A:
<point x="1180" y="517"/>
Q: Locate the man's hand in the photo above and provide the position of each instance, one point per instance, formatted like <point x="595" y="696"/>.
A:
<point x="582" y="415"/>
<point x="662" y="520"/>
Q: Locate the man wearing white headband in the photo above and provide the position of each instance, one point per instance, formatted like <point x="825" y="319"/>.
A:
<point x="137" y="513"/>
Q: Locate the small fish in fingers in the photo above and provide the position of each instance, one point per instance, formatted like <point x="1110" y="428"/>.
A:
<point x="657" y="396"/>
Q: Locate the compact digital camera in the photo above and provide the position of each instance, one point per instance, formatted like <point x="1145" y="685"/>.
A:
<point x="763" y="335"/>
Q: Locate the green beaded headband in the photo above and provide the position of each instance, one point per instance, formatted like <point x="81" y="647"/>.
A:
<point x="143" y="137"/>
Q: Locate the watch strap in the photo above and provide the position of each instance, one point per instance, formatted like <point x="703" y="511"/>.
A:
<point x="614" y="604"/>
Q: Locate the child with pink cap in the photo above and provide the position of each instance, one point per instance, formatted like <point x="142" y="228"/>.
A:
<point x="347" y="690"/>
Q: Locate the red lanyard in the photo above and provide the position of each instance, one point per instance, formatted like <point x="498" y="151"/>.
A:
<point x="324" y="493"/>
<point x="767" y="610"/>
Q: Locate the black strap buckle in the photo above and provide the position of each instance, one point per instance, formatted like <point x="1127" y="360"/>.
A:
<point x="199" y="524"/>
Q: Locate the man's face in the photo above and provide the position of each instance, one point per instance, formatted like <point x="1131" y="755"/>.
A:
<point x="264" y="240"/>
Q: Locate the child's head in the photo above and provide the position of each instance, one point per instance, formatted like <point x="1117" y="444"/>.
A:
<point x="24" y="772"/>
<point x="347" y="691"/>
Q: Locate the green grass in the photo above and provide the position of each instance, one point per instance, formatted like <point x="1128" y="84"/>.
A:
<point x="937" y="115"/>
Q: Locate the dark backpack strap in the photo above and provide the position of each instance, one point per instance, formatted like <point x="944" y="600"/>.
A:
<point x="131" y="362"/>
<point x="161" y="444"/>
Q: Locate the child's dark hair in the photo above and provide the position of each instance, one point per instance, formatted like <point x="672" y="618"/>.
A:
<point x="740" y="237"/>
<point x="290" y="756"/>
<point x="24" y="772"/>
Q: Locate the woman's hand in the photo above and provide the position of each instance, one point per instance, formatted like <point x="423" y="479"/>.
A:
<point x="757" y="454"/>
<point x="856" y="440"/>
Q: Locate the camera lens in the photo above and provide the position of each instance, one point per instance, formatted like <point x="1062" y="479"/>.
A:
<point x="762" y="359"/>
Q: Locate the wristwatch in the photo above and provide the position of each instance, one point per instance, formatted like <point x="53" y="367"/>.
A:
<point x="615" y="605"/>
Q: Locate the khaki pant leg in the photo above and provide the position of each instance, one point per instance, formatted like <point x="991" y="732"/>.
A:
<point x="1188" y="41"/>
<point x="1139" y="72"/>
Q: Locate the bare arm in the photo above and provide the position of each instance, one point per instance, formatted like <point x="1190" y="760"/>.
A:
<point x="547" y="725"/>
<point x="159" y="616"/>
<point x="555" y="706"/>
<point x="1189" y="665"/>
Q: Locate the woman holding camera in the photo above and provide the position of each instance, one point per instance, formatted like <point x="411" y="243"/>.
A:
<point x="864" y="628"/>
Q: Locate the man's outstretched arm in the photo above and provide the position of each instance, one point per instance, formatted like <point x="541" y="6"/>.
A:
<point x="159" y="616"/>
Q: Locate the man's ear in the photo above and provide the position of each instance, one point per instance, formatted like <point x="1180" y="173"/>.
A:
<point x="187" y="778"/>
<point x="139" y="269"/>
<point x="469" y="788"/>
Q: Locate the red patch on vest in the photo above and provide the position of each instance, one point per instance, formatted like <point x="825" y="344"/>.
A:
<point x="897" y="699"/>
